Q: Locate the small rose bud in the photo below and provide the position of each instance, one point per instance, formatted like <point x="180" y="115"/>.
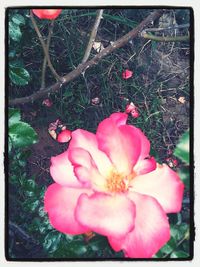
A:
<point x="64" y="136"/>
<point x="47" y="102"/>
<point x="130" y="107"/>
<point x="135" y="114"/>
<point x="127" y="74"/>
<point x="47" y="13"/>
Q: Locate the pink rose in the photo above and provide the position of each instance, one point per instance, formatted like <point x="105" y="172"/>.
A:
<point x="47" y="13"/>
<point x="109" y="184"/>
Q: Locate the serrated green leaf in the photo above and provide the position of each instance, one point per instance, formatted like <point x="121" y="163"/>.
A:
<point x="22" y="134"/>
<point x="14" y="116"/>
<point x="14" y="31"/>
<point x="182" y="148"/>
<point x="18" y="19"/>
<point x="18" y="75"/>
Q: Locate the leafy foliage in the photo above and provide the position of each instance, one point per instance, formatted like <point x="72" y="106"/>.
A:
<point x="182" y="148"/>
<point x="19" y="75"/>
<point x="20" y="134"/>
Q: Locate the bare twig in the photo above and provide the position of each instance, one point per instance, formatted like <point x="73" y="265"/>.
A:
<point x="82" y="67"/>
<point x="93" y="35"/>
<point x="45" y="59"/>
<point x="17" y="229"/>
<point x="44" y="48"/>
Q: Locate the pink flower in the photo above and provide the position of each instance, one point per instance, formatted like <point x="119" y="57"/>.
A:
<point x="109" y="184"/>
<point x="47" y="13"/>
<point x="47" y="102"/>
<point x="59" y="132"/>
<point x="127" y="74"/>
<point x="132" y="109"/>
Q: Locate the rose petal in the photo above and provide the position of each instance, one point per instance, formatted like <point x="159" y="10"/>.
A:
<point x="105" y="214"/>
<point x="119" y="118"/>
<point x="145" y="166"/>
<point x="121" y="144"/>
<point x="88" y="141"/>
<point x="62" y="172"/>
<point x="84" y="167"/>
<point x="151" y="230"/>
<point x="163" y="184"/>
<point x="60" y="203"/>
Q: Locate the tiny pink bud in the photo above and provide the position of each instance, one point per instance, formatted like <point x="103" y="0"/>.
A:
<point x="130" y="107"/>
<point x="64" y="136"/>
<point x="135" y="113"/>
<point x="47" y="102"/>
<point x="127" y="74"/>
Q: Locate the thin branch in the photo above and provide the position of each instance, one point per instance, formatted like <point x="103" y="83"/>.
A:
<point x="17" y="229"/>
<point x="82" y="67"/>
<point x="45" y="59"/>
<point x="187" y="25"/>
<point x="165" y="38"/>
<point x="93" y="35"/>
<point x="44" y="48"/>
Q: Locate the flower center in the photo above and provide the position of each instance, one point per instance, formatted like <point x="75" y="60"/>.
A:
<point x="117" y="182"/>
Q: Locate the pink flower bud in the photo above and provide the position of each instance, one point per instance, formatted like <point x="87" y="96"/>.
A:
<point x="127" y="74"/>
<point x="135" y="113"/>
<point x="64" y="136"/>
<point x="130" y="107"/>
<point x="47" y="13"/>
<point x="47" y="102"/>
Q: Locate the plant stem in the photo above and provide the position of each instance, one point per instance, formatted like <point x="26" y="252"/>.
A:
<point x="165" y="38"/>
<point x="46" y="53"/>
<point x="93" y="35"/>
<point x="45" y="59"/>
<point x="82" y="67"/>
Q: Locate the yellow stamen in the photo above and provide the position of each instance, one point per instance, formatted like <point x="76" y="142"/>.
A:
<point x="117" y="182"/>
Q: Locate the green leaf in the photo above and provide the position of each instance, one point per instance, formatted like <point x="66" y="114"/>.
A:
<point x="19" y="76"/>
<point x="182" y="148"/>
<point x="185" y="176"/>
<point x="79" y="248"/>
<point x="52" y="240"/>
<point x="178" y="231"/>
<point x="179" y="254"/>
<point x="14" y="31"/>
<point x="18" y="19"/>
<point x="169" y="247"/>
<point x="14" y="116"/>
<point x="22" y="134"/>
